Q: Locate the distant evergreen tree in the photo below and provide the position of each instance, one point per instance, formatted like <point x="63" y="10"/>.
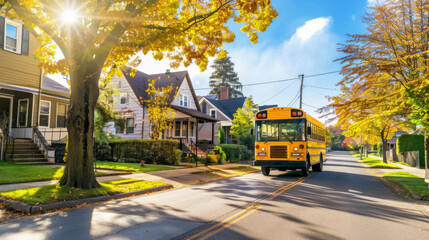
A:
<point x="225" y="76"/>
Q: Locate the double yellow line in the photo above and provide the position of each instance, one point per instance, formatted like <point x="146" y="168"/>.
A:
<point x="226" y="223"/>
<point x="242" y="214"/>
<point x="289" y="186"/>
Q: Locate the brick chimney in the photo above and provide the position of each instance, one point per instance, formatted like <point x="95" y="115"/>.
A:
<point x="167" y="71"/>
<point x="223" y="93"/>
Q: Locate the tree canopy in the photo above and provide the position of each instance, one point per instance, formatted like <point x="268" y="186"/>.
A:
<point x="98" y="38"/>
<point x="225" y="76"/>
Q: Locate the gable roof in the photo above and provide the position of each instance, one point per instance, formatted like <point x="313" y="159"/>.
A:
<point x="49" y="84"/>
<point x="140" y="82"/>
<point x="228" y="106"/>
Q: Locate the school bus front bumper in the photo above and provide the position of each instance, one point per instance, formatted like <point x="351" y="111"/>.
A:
<point x="280" y="164"/>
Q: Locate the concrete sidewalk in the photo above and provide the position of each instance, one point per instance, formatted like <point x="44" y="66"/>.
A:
<point x="419" y="172"/>
<point x="180" y="177"/>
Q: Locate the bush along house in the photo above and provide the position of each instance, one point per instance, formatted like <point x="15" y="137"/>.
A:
<point x="130" y="104"/>
<point x="222" y="109"/>
<point x="33" y="106"/>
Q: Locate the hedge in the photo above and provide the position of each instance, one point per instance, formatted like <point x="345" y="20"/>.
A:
<point x="235" y="152"/>
<point x="151" y="151"/>
<point x="407" y="143"/>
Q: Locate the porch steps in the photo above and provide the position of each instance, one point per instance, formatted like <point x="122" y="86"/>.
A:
<point x="25" y="151"/>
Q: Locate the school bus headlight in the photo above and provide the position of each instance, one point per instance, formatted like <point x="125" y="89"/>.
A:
<point x="295" y="149"/>
<point x="263" y="149"/>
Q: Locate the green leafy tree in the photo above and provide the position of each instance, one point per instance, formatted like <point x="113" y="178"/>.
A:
<point x="225" y="76"/>
<point x="221" y="135"/>
<point x="243" y="120"/>
<point x="97" y="36"/>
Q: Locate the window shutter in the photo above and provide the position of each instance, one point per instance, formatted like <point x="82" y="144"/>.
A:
<point x="2" y="32"/>
<point x="25" y="43"/>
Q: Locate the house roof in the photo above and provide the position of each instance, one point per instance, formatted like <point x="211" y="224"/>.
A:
<point x="263" y="107"/>
<point x="140" y="82"/>
<point x="52" y="85"/>
<point x="194" y="113"/>
<point x="228" y="106"/>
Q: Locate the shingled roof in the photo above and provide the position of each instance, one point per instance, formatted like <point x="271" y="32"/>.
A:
<point x="140" y="82"/>
<point x="52" y="85"/>
<point x="228" y="106"/>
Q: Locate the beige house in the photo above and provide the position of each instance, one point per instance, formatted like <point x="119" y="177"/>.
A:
<point x="28" y="99"/>
<point x="222" y="109"/>
<point x="130" y="104"/>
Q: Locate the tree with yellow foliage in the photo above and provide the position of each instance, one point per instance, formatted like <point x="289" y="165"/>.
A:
<point x="393" y="57"/>
<point x="159" y="113"/>
<point x="96" y="36"/>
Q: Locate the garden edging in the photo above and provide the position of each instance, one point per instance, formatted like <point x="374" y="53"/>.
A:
<point x="34" y="209"/>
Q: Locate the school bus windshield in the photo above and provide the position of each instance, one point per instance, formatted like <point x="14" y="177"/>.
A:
<point x="280" y="130"/>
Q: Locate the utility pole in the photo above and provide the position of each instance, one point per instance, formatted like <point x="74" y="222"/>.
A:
<point x="300" y="95"/>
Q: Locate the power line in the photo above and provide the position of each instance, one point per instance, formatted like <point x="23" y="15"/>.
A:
<point x="333" y="89"/>
<point x="280" y="91"/>
<point x="293" y="100"/>
<point x="277" y="81"/>
<point x="310" y="106"/>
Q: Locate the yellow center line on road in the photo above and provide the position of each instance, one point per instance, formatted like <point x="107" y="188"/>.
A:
<point x="240" y="215"/>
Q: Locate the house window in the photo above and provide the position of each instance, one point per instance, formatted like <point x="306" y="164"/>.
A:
<point x="192" y="129"/>
<point x="184" y="128"/>
<point x="177" y="129"/>
<point x="61" y="115"/>
<point x="12" y="37"/>
<point x="213" y="113"/>
<point x="118" y="85"/>
<point x="124" y="98"/>
<point x="130" y="125"/>
<point x="181" y="100"/>
<point x="22" y="112"/>
<point x="204" y="107"/>
<point x="45" y="112"/>
<point x="185" y="101"/>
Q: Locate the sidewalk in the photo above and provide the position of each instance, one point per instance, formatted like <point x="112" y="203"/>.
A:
<point x="413" y="170"/>
<point x="180" y="177"/>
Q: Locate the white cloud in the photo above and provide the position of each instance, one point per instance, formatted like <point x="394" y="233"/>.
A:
<point x="310" y="28"/>
<point x="373" y="3"/>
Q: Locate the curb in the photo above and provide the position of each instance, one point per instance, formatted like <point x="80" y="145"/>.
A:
<point x="34" y="209"/>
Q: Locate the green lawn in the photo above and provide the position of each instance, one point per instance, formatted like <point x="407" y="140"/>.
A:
<point x="135" y="167"/>
<point x="14" y="173"/>
<point x="376" y="162"/>
<point x="403" y="163"/>
<point x="55" y="193"/>
<point x="408" y="181"/>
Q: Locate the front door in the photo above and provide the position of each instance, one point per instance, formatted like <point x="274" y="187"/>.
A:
<point x="5" y="111"/>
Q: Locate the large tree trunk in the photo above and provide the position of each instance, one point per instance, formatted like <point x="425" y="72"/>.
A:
<point x="384" y="150"/>
<point x="79" y="171"/>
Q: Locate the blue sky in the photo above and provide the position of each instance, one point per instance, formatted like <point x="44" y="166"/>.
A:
<point x="302" y="40"/>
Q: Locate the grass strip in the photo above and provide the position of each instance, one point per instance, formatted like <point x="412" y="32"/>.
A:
<point x="15" y="173"/>
<point x="408" y="182"/>
<point x="55" y="193"/>
<point x="376" y="162"/>
<point x="403" y="163"/>
<point x="135" y="167"/>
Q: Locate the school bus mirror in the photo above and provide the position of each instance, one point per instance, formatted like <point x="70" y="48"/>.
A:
<point x="308" y="130"/>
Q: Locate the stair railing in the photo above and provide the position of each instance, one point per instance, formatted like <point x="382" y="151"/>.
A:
<point x="43" y="145"/>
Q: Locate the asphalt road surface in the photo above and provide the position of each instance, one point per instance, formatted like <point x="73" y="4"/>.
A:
<point x="345" y="201"/>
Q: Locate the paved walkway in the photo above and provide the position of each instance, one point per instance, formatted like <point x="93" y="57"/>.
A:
<point x="180" y="177"/>
<point x="413" y="170"/>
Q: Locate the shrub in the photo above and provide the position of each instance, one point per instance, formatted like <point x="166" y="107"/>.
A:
<point x="221" y="135"/>
<point x="233" y="152"/>
<point x="151" y="151"/>
<point x="102" y="150"/>
<point x="219" y="153"/>
<point x="407" y="143"/>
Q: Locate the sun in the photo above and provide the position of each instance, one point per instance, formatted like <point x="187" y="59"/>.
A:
<point x="69" y="16"/>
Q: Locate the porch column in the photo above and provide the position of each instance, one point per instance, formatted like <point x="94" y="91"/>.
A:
<point x="196" y="145"/>
<point x="213" y="123"/>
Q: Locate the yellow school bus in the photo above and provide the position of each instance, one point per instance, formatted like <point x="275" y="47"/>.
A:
<point x="288" y="138"/>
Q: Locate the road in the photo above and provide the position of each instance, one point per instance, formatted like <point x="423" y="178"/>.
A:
<point x="345" y="201"/>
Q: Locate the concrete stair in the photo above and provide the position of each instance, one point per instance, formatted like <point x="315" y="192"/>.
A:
<point x="25" y="151"/>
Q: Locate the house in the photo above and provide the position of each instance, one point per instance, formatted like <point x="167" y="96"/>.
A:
<point x="30" y="100"/>
<point x="130" y="104"/>
<point x="222" y="109"/>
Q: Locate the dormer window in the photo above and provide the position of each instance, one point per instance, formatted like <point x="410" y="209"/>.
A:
<point x="184" y="101"/>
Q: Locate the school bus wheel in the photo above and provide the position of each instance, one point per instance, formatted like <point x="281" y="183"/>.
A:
<point x="265" y="171"/>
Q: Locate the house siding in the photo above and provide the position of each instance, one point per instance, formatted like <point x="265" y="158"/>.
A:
<point x="205" y="130"/>
<point x="185" y="90"/>
<point x="132" y="109"/>
<point x="20" y="70"/>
